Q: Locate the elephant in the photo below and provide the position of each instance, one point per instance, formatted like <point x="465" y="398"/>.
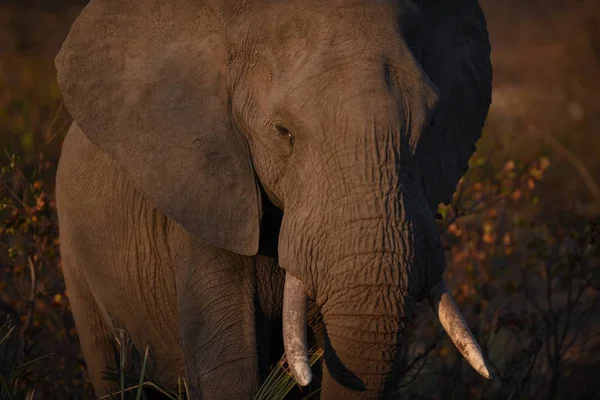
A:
<point x="242" y="173"/>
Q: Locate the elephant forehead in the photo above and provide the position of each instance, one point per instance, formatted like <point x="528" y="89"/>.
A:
<point x="282" y="28"/>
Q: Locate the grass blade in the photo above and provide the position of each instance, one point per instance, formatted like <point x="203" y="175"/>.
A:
<point x="7" y="390"/>
<point x="280" y="381"/>
<point x="138" y="395"/>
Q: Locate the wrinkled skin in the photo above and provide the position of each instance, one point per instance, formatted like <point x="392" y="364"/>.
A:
<point x="219" y="145"/>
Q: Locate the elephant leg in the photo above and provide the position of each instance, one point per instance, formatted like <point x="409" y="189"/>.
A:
<point x="97" y="342"/>
<point x="217" y="319"/>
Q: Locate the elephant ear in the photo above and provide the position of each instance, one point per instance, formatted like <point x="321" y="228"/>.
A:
<point x="456" y="57"/>
<point x="147" y="81"/>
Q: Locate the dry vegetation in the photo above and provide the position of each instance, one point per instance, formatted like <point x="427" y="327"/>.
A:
<point x="522" y="232"/>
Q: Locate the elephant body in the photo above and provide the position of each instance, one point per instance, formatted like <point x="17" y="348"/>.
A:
<point x="239" y="168"/>
<point x="127" y="266"/>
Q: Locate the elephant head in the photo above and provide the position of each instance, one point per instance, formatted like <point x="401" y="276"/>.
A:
<point x="356" y="118"/>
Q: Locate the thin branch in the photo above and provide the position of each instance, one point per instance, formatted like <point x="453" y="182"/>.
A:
<point x="49" y="130"/>
<point x="471" y="210"/>
<point x="421" y="356"/>
<point x="14" y="195"/>
<point x="33" y="275"/>
<point x="573" y="159"/>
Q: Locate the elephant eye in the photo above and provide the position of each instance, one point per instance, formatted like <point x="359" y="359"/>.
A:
<point x="284" y="132"/>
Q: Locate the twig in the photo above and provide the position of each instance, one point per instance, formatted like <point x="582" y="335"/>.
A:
<point x="14" y="195"/>
<point x="127" y="389"/>
<point x="420" y="357"/>
<point x="32" y="294"/>
<point x="56" y="115"/>
<point x="573" y="159"/>
<point x="471" y="210"/>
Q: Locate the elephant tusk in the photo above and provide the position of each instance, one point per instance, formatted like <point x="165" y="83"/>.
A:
<point x="295" y="310"/>
<point x="454" y="324"/>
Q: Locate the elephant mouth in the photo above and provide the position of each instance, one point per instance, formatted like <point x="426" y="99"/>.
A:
<point x="295" y="321"/>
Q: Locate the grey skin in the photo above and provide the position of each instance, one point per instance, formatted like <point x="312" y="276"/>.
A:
<point x="220" y="146"/>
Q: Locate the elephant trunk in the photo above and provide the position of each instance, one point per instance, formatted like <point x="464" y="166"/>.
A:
<point x="364" y="322"/>
<point x="356" y="331"/>
<point x="364" y="314"/>
<point x="365" y="255"/>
